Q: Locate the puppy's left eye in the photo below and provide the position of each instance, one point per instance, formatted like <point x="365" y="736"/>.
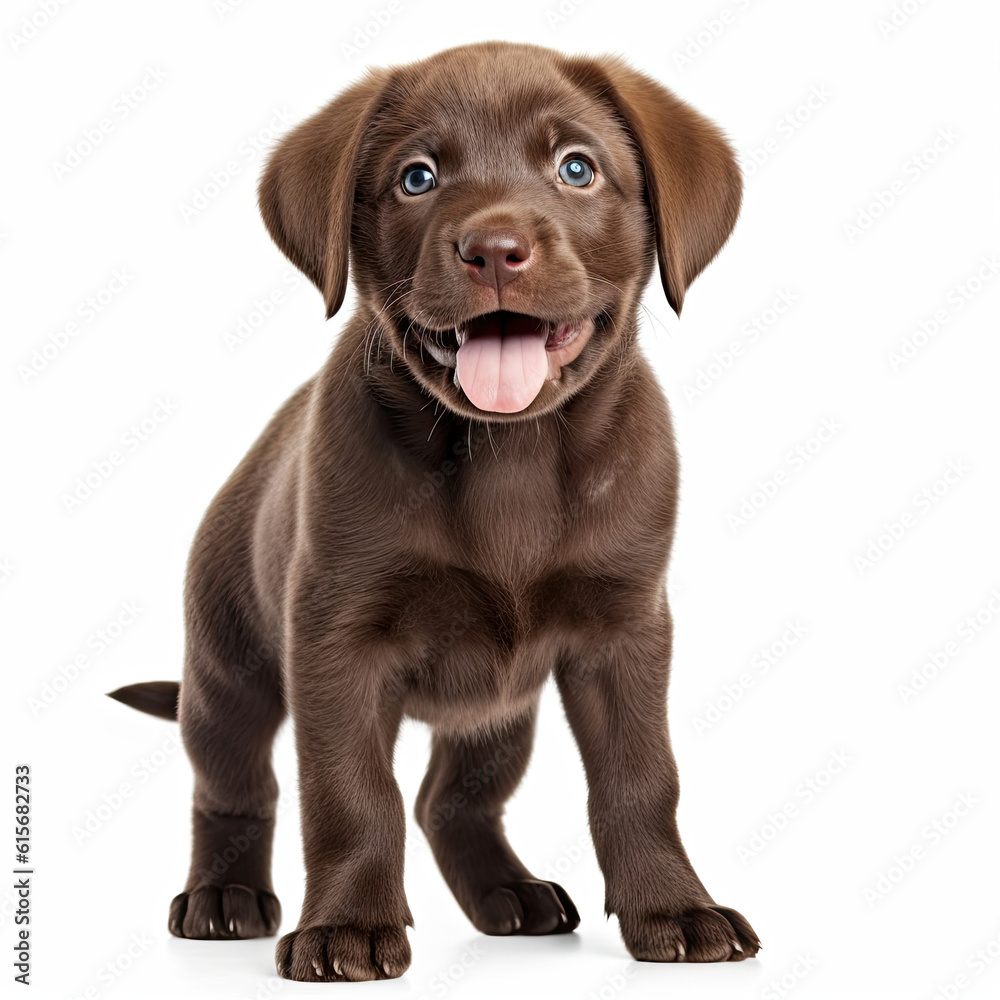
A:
<point x="576" y="171"/>
<point x="418" y="179"/>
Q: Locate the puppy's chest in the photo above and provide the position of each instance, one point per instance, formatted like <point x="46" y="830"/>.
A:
<point x="506" y="520"/>
<point x="515" y="565"/>
<point x="479" y="645"/>
<point x="515" y="558"/>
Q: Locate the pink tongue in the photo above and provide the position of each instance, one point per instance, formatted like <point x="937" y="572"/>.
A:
<point x="503" y="368"/>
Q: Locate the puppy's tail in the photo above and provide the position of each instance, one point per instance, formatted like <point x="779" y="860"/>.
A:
<point x="155" y="697"/>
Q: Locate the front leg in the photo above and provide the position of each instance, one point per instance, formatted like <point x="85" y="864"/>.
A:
<point x="615" y="696"/>
<point x="354" y="915"/>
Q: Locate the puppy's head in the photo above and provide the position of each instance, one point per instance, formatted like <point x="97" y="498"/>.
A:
<point x="503" y="206"/>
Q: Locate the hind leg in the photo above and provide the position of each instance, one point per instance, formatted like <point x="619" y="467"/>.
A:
<point x="460" y="809"/>
<point x="229" y="715"/>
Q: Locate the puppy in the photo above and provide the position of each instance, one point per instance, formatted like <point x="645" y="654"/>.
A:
<point x="477" y="491"/>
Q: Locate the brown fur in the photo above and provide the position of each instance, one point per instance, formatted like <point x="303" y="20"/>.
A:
<point x="387" y="549"/>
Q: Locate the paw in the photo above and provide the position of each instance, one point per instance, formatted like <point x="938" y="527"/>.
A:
<point x="343" y="954"/>
<point x="225" y="912"/>
<point x="527" y="907"/>
<point x="700" y="934"/>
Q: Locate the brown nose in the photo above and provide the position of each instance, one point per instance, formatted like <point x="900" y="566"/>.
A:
<point x="494" y="257"/>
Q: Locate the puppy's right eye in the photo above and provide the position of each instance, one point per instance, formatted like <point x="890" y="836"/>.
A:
<point x="576" y="171"/>
<point x="418" y="179"/>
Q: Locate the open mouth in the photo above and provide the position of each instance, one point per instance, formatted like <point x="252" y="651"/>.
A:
<point x="502" y="359"/>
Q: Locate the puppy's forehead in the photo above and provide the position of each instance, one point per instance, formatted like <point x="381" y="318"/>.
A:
<point x="491" y="100"/>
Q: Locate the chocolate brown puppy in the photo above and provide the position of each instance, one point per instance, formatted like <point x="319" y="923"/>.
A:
<point x="477" y="491"/>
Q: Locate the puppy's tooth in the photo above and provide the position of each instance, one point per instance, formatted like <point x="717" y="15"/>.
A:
<point x="442" y="355"/>
<point x="454" y="378"/>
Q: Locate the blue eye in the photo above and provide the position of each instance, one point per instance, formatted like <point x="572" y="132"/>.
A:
<point x="418" y="179"/>
<point x="576" y="171"/>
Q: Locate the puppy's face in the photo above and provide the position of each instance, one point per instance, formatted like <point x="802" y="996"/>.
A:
<point x="504" y="207"/>
<point x="500" y="230"/>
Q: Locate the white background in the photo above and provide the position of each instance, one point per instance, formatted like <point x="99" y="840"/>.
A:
<point x="229" y="80"/>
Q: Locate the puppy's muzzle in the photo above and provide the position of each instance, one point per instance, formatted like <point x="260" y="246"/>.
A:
<point x="494" y="257"/>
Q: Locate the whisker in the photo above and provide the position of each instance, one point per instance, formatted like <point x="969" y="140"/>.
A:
<point x="603" y="246"/>
<point x="436" y="422"/>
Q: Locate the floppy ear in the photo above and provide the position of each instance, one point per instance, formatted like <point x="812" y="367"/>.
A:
<point x="692" y="179"/>
<point x="306" y="194"/>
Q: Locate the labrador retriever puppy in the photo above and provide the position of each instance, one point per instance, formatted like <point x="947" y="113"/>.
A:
<point x="476" y="492"/>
